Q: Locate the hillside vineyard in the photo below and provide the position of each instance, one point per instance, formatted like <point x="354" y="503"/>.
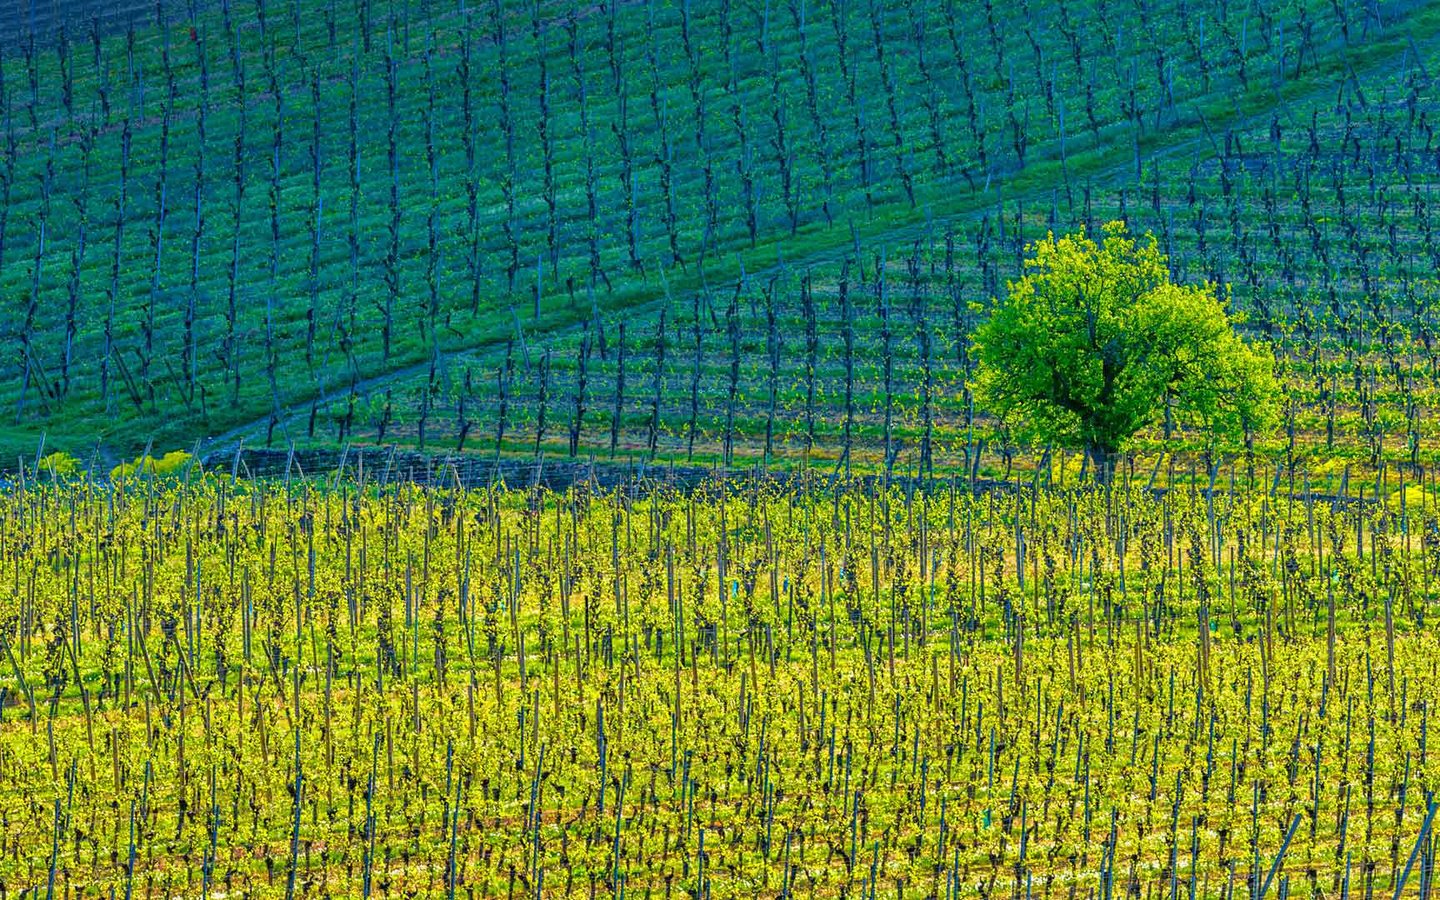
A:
<point x="711" y="232"/>
<point x="719" y="449"/>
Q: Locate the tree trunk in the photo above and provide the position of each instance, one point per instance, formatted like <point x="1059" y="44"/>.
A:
<point x="1102" y="460"/>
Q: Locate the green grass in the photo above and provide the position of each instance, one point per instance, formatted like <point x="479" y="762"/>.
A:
<point x="348" y="301"/>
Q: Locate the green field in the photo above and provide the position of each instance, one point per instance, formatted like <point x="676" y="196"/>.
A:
<point x="316" y="224"/>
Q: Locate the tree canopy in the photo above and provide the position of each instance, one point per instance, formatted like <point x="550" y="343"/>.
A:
<point x="1096" y="342"/>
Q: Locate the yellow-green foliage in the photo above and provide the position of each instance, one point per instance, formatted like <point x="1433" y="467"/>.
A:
<point x="1412" y="499"/>
<point x="171" y="464"/>
<point x="60" y="465"/>
<point x="603" y="682"/>
<point x="142" y="464"/>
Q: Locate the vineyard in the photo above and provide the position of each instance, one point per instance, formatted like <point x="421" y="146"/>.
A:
<point x="737" y="449"/>
<point x="353" y="688"/>
<point x="706" y="233"/>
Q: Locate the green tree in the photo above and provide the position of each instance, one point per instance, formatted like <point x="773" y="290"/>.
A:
<point x="1096" y="342"/>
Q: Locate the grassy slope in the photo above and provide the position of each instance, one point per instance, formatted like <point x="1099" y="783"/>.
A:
<point x="761" y="84"/>
<point x="1314" y="211"/>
